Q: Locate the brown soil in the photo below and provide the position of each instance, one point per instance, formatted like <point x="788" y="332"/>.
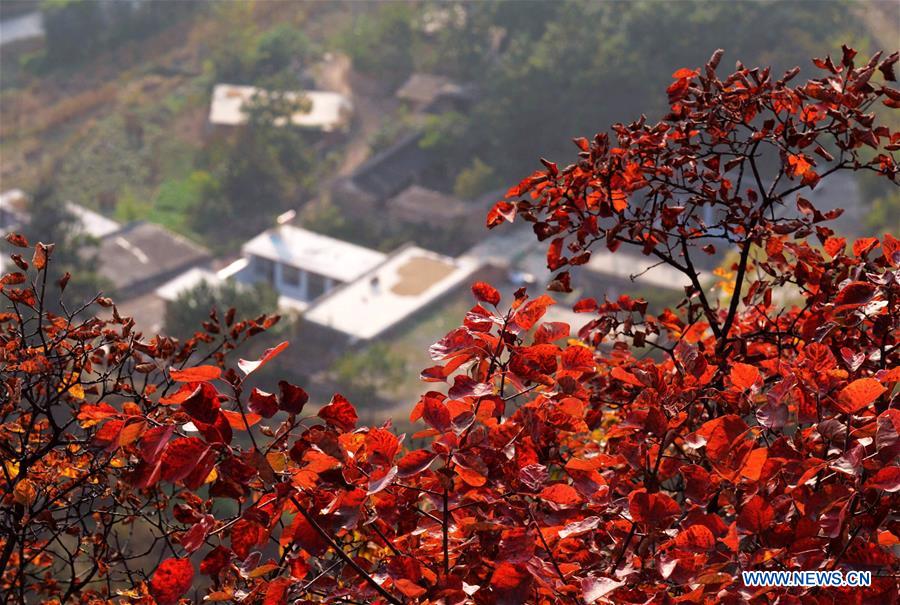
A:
<point x="420" y="273"/>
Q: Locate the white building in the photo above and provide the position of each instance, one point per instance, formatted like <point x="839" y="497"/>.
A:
<point x="326" y="111"/>
<point x="302" y="265"/>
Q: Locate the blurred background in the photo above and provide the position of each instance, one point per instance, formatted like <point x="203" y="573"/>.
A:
<point x="335" y="160"/>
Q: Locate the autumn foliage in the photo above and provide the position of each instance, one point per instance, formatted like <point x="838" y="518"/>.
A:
<point x="648" y="457"/>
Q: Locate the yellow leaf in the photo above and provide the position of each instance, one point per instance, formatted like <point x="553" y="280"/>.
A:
<point x="212" y="476"/>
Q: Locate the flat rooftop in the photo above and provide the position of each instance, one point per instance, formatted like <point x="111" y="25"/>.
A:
<point x="407" y="281"/>
<point x="310" y="251"/>
<point x="328" y="111"/>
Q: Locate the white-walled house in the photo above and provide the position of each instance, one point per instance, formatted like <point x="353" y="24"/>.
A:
<point x="302" y="265"/>
<point x="326" y="112"/>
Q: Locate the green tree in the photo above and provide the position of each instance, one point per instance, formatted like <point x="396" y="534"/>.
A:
<point x="383" y="43"/>
<point x="75" y="252"/>
<point x="370" y="370"/>
<point x="477" y="178"/>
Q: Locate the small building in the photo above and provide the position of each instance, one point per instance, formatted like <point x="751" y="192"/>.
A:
<point x="190" y="279"/>
<point x="141" y="256"/>
<point x="429" y="93"/>
<point x="383" y="176"/>
<point x="92" y="223"/>
<point x="13" y="210"/>
<point x="420" y="206"/>
<point x="15" y="214"/>
<point x="302" y="265"/>
<point x="322" y="111"/>
<point x="409" y="280"/>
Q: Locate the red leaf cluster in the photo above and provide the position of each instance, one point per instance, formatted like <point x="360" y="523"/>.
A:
<point x="558" y="464"/>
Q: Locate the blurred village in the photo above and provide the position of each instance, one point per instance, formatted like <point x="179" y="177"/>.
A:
<point x="369" y="260"/>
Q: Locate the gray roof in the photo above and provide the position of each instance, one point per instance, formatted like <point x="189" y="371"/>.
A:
<point x="419" y="204"/>
<point x="141" y="255"/>
<point x="389" y="172"/>
<point x="425" y="88"/>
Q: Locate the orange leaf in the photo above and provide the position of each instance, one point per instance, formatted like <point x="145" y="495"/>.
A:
<point x="197" y="374"/>
<point x="248" y="367"/>
<point x="743" y="375"/>
<point x="485" y="292"/>
<point x="859" y="394"/>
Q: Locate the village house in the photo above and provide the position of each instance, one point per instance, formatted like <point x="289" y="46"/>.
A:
<point x="303" y="265"/>
<point x="14" y="215"/>
<point x="417" y="205"/>
<point x="137" y="258"/>
<point x="429" y="93"/>
<point x="318" y="110"/>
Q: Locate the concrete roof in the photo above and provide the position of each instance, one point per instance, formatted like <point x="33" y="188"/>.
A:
<point x="14" y="202"/>
<point x="407" y="281"/>
<point x="425" y="88"/>
<point x="93" y="223"/>
<point x="140" y="252"/>
<point x="427" y="205"/>
<point x="310" y="251"/>
<point x="191" y="278"/>
<point x="329" y="110"/>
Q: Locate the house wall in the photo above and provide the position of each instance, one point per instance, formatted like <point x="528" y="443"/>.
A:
<point x="290" y="281"/>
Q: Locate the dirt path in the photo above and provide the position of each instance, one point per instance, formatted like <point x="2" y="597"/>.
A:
<point x="370" y="108"/>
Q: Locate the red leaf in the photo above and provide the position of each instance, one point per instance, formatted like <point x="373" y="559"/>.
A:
<point x="277" y="592"/>
<point x="743" y="375"/>
<point x="197" y="374"/>
<point x="697" y="538"/>
<point x="180" y="457"/>
<point x="415" y="462"/>
<point x="585" y="305"/>
<point x="891" y="247"/>
<point x="17" y="239"/>
<point x="502" y="211"/>
<point x="863" y="245"/>
<point x="511" y="583"/>
<point x="887" y="478"/>
<point x="245" y="535"/>
<point x="655" y="510"/>
<point x="562" y="495"/>
<point x="378" y="484"/>
<point x="203" y="403"/>
<point x="485" y="292"/>
<point x="531" y="312"/>
<point x="684" y="72"/>
<point x="262" y="403"/>
<point x="436" y="413"/>
<point x="340" y="414"/>
<point x="555" y="259"/>
<point x="550" y="331"/>
<point x="171" y="580"/>
<point x="854" y="294"/>
<point x="859" y="394"/>
<point x="834" y="246"/>
<point x="292" y="398"/>
<point x="248" y="367"/>
<point x="236" y="421"/>
<point x="756" y="516"/>
<point x="596" y="587"/>
<point x="214" y="562"/>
